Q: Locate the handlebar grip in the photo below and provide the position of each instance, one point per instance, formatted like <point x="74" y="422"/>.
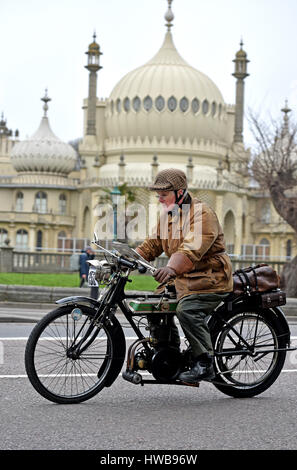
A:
<point x="142" y="269"/>
<point x="127" y="263"/>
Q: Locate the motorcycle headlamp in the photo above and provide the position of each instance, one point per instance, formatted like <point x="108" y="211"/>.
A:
<point x="103" y="270"/>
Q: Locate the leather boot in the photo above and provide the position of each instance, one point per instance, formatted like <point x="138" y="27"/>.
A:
<point x="202" y="370"/>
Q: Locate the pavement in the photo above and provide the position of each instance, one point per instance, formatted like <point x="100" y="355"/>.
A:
<point x="30" y="303"/>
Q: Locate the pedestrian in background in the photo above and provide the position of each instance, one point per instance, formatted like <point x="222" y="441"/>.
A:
<point x="85" y="256"/>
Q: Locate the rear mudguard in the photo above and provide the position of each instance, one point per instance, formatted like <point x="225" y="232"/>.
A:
<point x="275" y="313"/>
<point x="115" y="330"/>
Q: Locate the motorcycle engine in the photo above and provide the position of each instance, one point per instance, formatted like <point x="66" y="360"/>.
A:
<point x="166" y="364"/>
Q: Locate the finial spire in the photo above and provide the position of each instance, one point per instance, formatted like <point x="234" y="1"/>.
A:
<point x="169" y="16"/>
<point x="286" y="110"/>
<point x="45" y="99"/>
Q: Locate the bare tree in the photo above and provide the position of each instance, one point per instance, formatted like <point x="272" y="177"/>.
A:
<point x="274" y="166"/>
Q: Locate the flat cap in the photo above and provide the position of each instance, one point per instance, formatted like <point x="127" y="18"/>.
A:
<point x="170" y="179"/>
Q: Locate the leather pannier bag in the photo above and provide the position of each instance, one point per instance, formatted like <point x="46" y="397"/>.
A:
<point x="255" y="279"/>
<point x="273" y="299"/>
<point x="261" y="280"/>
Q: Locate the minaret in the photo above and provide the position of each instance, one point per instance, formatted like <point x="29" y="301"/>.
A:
<point x="93" y="66"/>
<point x="240" y="73"/>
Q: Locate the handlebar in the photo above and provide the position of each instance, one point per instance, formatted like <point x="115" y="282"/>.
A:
<point x="141" y="264"/>
<point x="132" y="265"/>
<point x="128" y="264"/>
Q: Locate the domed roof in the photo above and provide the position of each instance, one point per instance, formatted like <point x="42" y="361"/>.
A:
<point x="166" y="97"/>
<point x="94" y="48"/>
<point x="241" y="54"/>
<point x="43" y="152"/>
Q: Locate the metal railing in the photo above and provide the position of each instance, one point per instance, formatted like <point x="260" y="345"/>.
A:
<point x="41" y="262"/>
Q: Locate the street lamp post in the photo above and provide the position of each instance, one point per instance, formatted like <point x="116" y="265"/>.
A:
<point x="115" y="198"/>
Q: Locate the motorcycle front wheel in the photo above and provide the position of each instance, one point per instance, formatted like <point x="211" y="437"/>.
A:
<point x="55" y="367"/>
<point x="243" y="371"/>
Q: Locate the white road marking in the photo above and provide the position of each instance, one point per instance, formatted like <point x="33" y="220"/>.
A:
<point x="128" y="338"/>
<point x="24" y="376"/>
<point x="51" y="338"/>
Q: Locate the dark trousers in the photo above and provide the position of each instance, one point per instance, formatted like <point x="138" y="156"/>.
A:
<point x="191" y="312"/>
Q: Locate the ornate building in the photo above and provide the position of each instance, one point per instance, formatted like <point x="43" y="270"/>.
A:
<point x="163" y="114"/>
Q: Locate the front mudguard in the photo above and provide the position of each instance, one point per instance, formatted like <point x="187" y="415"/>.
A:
<point x="78" y="299"/>
<point x="118" y="341"/>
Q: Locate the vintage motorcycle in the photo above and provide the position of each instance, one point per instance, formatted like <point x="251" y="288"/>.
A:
<point x="79" y="348"/>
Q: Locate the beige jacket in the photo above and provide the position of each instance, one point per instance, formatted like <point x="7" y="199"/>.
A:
<point x="194" y="242"/>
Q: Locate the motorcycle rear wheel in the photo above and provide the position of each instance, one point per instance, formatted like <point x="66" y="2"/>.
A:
<point x="58" y="376"/>
<point x="247" y="375"/>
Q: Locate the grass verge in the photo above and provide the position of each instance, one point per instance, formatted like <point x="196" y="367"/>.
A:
<point x="139" y="282"/>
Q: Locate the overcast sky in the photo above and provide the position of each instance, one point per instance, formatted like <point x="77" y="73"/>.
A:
<point x="43" y="44"/>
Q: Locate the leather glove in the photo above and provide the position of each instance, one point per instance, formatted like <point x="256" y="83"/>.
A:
<point x="164" y="274"/>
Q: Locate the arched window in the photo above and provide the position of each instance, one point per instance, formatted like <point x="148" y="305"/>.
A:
<point x="229" y="231"/>
<point x="39" y="240"/>
<point x="19" y="201"/>
<point x="41" y="202"/>
<point x="61" y="240"/>
<point x="263" y="249"/>
<point x="21" y="241"/>
<point x="289" y="249"/>
<point x="62" y="204"/>
<point x="3" y="236"/>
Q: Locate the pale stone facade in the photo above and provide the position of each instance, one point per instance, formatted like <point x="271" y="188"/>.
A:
<point x="163" y="114"/>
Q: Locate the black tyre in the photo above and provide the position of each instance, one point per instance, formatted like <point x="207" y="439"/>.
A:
<point x="248" y="374"/>
<point x="63" y="377"/>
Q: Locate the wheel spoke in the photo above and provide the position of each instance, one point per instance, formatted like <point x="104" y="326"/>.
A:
<point x="59" y="372"/>
<point x="246" y="370"/>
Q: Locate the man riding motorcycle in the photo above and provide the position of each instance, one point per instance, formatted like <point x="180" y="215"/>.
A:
<point x="201" y="269"/>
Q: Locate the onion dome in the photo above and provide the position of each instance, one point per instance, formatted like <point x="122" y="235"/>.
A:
<point x="166" y="97"/>
<point x="44" y="152"/>
<point x="93" y="54"/>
